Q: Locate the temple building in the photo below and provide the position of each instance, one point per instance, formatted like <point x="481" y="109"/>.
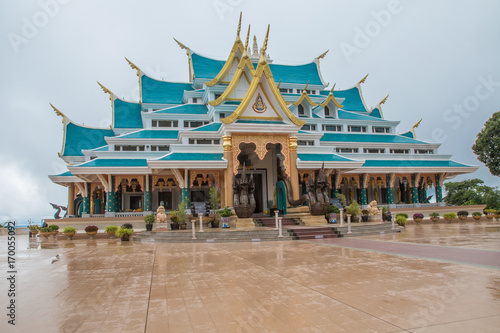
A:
<point x="182" y="138"/>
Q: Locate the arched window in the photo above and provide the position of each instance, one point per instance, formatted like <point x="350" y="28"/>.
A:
<point x="301" y="110"/>
<point x="327" y="111"/>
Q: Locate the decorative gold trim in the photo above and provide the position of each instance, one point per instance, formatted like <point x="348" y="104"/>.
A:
<point x="292" y="143"/>
<point x="331" y="98"/>
<point x="259" y="106"/>
<point x="322" y="55"/>
<point x="133" y="66"/>
<point x="260" y="118"/>
<point x="306" y="97"/>
<point x="363" y="79"/>
<point x="227" y="142"/>
<point x="383" y="101"/>
<point x="58" y="112"/>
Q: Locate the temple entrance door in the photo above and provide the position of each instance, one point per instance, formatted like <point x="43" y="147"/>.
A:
<point x="135" y="201"/>
<point x="166" y="197"/>
<point x="259" y="202"/>
<point x="281" y="197"/>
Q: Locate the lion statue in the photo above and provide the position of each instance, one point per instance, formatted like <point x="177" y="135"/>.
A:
<point x="161" y="217"/>
<point x="372" y="208"/>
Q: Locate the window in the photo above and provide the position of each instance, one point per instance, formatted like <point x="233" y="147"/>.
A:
<point x="195" y="100"/>
<point x="309" y="127"/>
<point x="204" y="141"/>
<point x="165" y="123"/>
<point x="301" y="110"/>
<point x="332" y="128"/>
<point x="217" y="96"/>
<point x="424" y="151"/>
<point x="400" y="151"/>
<point x="381" y="129"/>
<point x="194" y="124"/>
<point x="160" y="148"/>
<point x="374" y="150"/>
<point x="347" y="150"/>
<point x="283" y="90"/>
<point x="327" y="112"/>
<point x="222" y="115"/>
<point x="129" y="148"/>
<point x="305" y="142"/>
<point x="356" y="129"/>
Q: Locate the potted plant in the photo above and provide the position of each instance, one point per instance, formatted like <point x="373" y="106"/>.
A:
<point x="365" y="213"/>
<point x="124" y="233"/>
<point x="402" y="214"/>
<point x="225" y="216"/>
<point x="54" y="230"/>
<point x="462" y="215"/>
<point x="401" y="220"/>
<point x="149" y="220"/>
<point x="434" y="216"/>
<point x="477" y="215"/>
<point x="182" y="214"/>
<point x="33" y="228"/>
<point x="111" y="230"/>
<point x="174" y="218"/>
<point x="331" y="214"/>
<point x="214" y="201"/>
<point x="418" y="217"/>
<point x="449" y="216"/>
<point x="69" y="232"/>
<point x="355" y="210"/>
<point x="45" y="232"/>
<point x="91" y="231"/>
<point x="490" y="213"/>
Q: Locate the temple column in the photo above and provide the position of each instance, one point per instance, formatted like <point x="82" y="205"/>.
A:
<point x="294" y="175"/>
<point x="110" y="197"/>
<point x="414" y="189"/>
<point x="390" y="195"/>
<point x="363" y="180"/>
<point x="185" y="190"/>
<point x="71" y="199"/>
<point x="227" y="143"/>
<point x="147" y="194"/>
<point x="86" y="201"/>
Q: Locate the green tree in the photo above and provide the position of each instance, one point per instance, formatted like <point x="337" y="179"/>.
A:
<point x="487" y="145"/>
<point x="471" y="192"/>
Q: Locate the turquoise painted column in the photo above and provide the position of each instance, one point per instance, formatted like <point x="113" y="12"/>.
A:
<point x="111" y="197"/>
<point x="86" y="201"/>
<point x="414" y="189"/>
<point x="185" y="195"/>
<point x="439" y="191"/>
<point x="147" y="194"/>
<point x="335" y="190"/>
<point x="364" y="199"/>
<point x="390" y="195"/>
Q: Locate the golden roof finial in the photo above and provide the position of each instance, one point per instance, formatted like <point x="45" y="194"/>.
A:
<point x="59" y="113"/>
<point x="182" y="46"/>
<point x="279" y="84"/>
<point x="133" y="66"/>
<point x="305" y="89"/>
<point x="255" y="46"/>
<point x="416" y="125"/>
<point x="363" y="79"/>
<point x="264" y="47"/>
<point x="248" y="36"/>
<point x="322" y="55"/>
<point x="239" y="28"/>
<point x="331" y="90"/>
<point x="106" y="90"/>
<point x="383" y="101"/>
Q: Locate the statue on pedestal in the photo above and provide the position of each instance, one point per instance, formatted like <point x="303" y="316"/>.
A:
<point x="161" y="217"/>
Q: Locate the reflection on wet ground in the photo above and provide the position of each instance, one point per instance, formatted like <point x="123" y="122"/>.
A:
<point x="113" y="286"/>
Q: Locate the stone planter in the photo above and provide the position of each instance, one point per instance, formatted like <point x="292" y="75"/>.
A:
<point x="46" y="234"/>
<point x="417" y="220"/>
<point x="111" y="234"/>
<point x="91" y="234"/>
<point x="34" y="233"/>
<point x="490" y="217"/>
<point x="434" y="219"/>
<point x="54" y="233"/>
<point x="70" y="235"/>
<point x="462" y="218"/>
<point x="477" y="218"/>
<point x="149" y="227"/>
<point x="448" y="219"/>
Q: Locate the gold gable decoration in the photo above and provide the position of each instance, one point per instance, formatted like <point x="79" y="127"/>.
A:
<point x="259" y="106"/>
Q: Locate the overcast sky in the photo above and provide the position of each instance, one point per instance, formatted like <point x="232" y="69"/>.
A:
<point x="438" y="60"/>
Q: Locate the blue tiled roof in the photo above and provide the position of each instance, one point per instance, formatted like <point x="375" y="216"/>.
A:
<point x="161" y="92"/>
<point x="354" y="137"/>
<point x="186" y="109"/>
<point x="300" y="74"/>
<point x="79" y="138"/>
<point x="115" y="162"/>
<point x="65" y="174"/>
<point x="353" y="100"/>
<point x="126" y="114"/>
<point x="356" y="116"/>
<point x="408" y="134"/>
<point x="376" y="113"/>
<point x="413" y="163"/>
<point x="103" y="148"/>
<point x="192" y="157"/>
<point x="152" y="134"/>
<point x="206" y="68"/>
<point x="323" y="158"/>
<point x="214" y="127"/>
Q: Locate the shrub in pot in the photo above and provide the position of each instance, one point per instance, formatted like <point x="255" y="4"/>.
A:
<point x="111" y="230"/>
<point x="477" y="215"/>
<point x="418" y="217"/>
<point x="91" y="231"/>
<point x="462" y="215"/>
<point x="124" y="233"/>
<point x="434" y="217"/>
<point x="69" y="232"/>
<point x="225" y="215"/>
<point x="401" y="220"/>
<point x="149" y="220"/>
<point x="365" y="213"/>
<point x="331" y="214"/>
<point x="449" y="216"/>
<point x="355" y="210"/>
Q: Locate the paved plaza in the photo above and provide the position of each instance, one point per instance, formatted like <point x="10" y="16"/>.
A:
<point x="429" y="278"/>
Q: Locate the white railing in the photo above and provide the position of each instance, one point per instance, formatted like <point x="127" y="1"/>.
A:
<point x="97" y="215"/>
<point x="127" y="214"/>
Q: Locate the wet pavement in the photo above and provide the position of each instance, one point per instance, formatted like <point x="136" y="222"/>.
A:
<point x="384" y="283"/>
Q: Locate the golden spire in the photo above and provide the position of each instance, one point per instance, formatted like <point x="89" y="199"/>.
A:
<point x="383" y="101"/>
<point x="264" y="47"/>
<point x="416" y="125"/>
<point x="305" y="89"/>
<point x="331" y="90"/>
<point x="106" y="90"/>
<point x="279" y="83"/>
<point x="322" y="55"/>
<point x="255" y="46"/>
<point x="182" y="46"/>
<point x="59" y="113"/>
<point x="239" y="29"/>
<point x="248" y="36"/>
<point x="363" y="79"/>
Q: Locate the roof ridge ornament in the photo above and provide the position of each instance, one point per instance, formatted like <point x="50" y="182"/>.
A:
<point x="58" y="112"/>
<point x="239" y="28"/>
<point x="363" y="79"/>
<point x="384" y="100"/>
<point x="245" y="52"/>
<point x="322" y="55"/>
<point x="182" y="46"/>
<point x="133" y="66"/>
<point x="331" y="90"/>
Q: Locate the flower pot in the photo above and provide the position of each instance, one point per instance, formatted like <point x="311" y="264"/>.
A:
<point x="70" y="235"/>
<point x="364" y="218"/>
<point x="91" y="234"/>
<point x="417" y="220"/>
<point x="183" y="226"/>
<point x="34" y="233"/>
<point x="490" y="217"/>
<point x="462" y="218"/>
<point x="475" y="217"/>
<point x="54" y="233"/>
<point x="46" y="234"/>
<point x="434" y="219"/>
<point x="174" y="226"/>
<point x="149" y="227"/>
<point x="111" y="234"/>
<point x="448" y="219"/>
<point x="125" y="237"/>
<point x="332" y="218"/>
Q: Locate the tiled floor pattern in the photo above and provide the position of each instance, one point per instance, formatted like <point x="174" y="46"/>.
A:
<point x="110" y="286"/>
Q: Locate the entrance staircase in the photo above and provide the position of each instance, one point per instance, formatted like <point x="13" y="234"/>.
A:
<point x="270" y="222"/>
<point x="218" y="236"/>
<point x="302" y="233"/>
<point x="367" y="229"/>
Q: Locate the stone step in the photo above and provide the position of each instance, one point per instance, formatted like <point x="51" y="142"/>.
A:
<point x="211" y="237"/>
<point x="314" y="236"/>
<point x="313" y="233"/>
<point x="362" y="229"/>
<point x="213" y="240"/>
